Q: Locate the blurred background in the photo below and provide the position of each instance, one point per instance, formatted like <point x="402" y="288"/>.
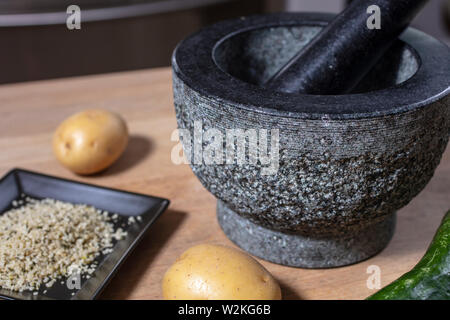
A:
<point x="118" y="35"/>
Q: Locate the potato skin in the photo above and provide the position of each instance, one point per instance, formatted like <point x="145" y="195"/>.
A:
<point x="214" y="272"/>
<point x="90" y="141"/>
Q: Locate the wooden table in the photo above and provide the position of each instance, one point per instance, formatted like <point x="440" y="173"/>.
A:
<point x="30" y="112"/>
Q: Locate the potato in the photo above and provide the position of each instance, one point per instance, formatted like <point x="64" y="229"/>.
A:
<point x="213" y="272"/>
<point x="90" y="141"/>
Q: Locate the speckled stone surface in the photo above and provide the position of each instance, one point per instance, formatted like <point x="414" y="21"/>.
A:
<point x="346" y="163"/>
<point x="310" y="252"/>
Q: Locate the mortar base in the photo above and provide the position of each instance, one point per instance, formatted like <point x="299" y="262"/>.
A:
<point x="301" y="251"/>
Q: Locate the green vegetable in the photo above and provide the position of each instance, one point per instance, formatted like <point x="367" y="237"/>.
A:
<point x="430" y="278"/>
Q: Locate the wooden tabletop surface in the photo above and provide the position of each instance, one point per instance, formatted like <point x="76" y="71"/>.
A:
<point x="30" y="112"/>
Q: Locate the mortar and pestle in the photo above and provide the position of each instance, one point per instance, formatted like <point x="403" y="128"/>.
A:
<point x="362" y="116"/>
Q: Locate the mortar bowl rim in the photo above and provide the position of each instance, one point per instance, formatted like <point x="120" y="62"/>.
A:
<point x="193" y="63"/>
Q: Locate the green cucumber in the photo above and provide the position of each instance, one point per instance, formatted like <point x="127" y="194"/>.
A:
<point x="430" y="278"/>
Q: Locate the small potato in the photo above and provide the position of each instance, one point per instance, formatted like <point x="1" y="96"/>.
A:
<point x="90" y="141"/>
<point x="213" y="272"/>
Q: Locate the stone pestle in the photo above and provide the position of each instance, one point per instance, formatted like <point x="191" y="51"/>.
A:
<point x="347" y="49"/>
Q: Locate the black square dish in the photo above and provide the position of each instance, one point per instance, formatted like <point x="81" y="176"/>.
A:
<point x="19" y="183"/>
